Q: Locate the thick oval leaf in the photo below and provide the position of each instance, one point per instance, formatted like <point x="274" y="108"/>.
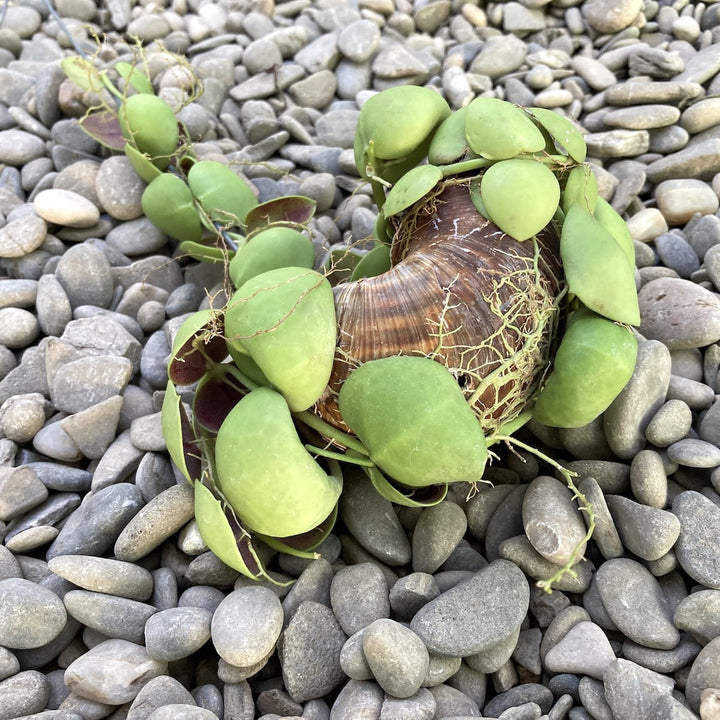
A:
<point x="289" y="210"/>
<point x="149" y="124"/>
<point x="265" y="473"/>
<point x="608" y="217"/>
<point x="498" y="130"/>
<point x="168" y="204"/>
<point x="233" y="547"/>
<point x="104" y="127"/>
<point x="449" y="143"/>
<point x="565" y="134"/>
<point x="181" y="442"/>
<point x="520" y="195"/>
<point x="285" y="320"/>
<point x="82" y="72"/>
<point x="580" y="187"/>
<point x="593" y="364"/>
<point x="205" y="253"/>
<point x="597" y="269"/>
<point x="376" y="262"/>
<point x="222" y="193"/>
<point x="142" y="164"/>
<point x="216" y="395"/>
<point x="411" y="415"/>
<point x="410" y="188"/>
<point x="134" y="77"/>
<point x="272" y="248"/>
<point x="397" y="120"/>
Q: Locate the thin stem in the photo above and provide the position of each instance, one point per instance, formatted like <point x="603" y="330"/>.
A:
<point x="465" y="166"/>
<point x="364" y="462"/>
<point x="331" y="432"/>
<point x="583" y="503"/>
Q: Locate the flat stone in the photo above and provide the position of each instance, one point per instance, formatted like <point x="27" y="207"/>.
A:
<point x="678" y="200"/>
<point x="694" y="453"/>
<point x="83" y="383"/>
<point x="177" y="633"/>
<point x="24" y="694"/>
<point x="22" y="236"/>
<point x="160" y="691"/>
<point x="476" y="614"/>
<point x="93" y="430"/>
<point x="696" y="548"/>
<point x="584" y="650"/>
<point x="631" y="691"/>
<point x="65" y="207"/>
<point x="699" y="614"/>
<point x="20" y="491"/>
<point x="358" y="596"/>
<point x="85" y="274"/>
<point x="119" y="188"/>
<point x="698" y="160"/>
<point x="18" y="147"/>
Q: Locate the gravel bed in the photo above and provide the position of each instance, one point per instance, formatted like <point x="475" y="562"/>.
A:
<point x="112" y="607"/>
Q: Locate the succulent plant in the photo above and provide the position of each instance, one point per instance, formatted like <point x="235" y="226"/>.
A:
<point x="501" y="287"/>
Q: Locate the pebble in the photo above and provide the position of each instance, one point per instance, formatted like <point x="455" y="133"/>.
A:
<point x="648" y="481"/>
<point x="679" y="200"/>
<point x="176" y="633"/>
<point x="310" y="652"/>
<point x="500" y="590"/>
<point x="358" y="596"/>
<point x="437" y="533"/>
<point x="119" y="189"/>
<point x="631" y="691"/>
<point x="18" y="147"/>
<point x="21" y="237"/>
<point x="634" y="601"/>
<point x="699" y="614"/>
<point x="246" y="625"/>
<point x="112" y="672"/>
<point x="20" y="598"/>
<point x="85" y="275"/>
<point x="65" y="207"/>
<point x="24" y="694"/>
<point x="669" y="424"/>
<point x="699" y="524"/>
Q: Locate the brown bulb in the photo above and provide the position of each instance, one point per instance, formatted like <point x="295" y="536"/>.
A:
<point x="463" y="293"/>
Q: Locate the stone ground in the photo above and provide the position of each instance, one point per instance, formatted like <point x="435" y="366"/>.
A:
<point x="111" y="606"/>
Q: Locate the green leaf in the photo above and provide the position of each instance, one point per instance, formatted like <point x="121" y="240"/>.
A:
<point x="410" y="188"/>
<point x="498" y="130"/>
<point x="608" y="217"/>
<point x="593" y="363"/>
<point x="449" y="143"/>
<point x="205" y="253"/>
<point x="222" y="193"/>
<point x="135" y="78"/>
<point x="82" y="72"/>
<point x="408" y="497"/>
<point x="376" y="262"/>
<point x="265" y="473"/>
<point x="168" y="204"/>
<point x="597" y="269"/>
<point x="520" y="195"/>
<point x="285" y="320"/>
<point x="182" y="445"/>
<point x="412" y="417"/>
<point x="581" y="187"/>
<point x="142" y="164"/>
<point x="149" y="124"/>
<point x="564" y="132"/>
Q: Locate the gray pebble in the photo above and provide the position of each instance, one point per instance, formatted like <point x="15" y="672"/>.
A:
<point x="699" y="614"/>
<point x="482" y="506"/>
<point x="310" y="652"/>
<point x="94" y="526"/>
<point x="634" y="601"/>
<point x="136" y="237"/>
<point x="676" y="253"/>
<point x="18" y="328"/>
<point x="117" y="463"/>
<point x="112" y="672"/>
<point x="669" y="424"/>
<point x="694" y="161"/>
<point x="113" y="616"/>
<point x="451" y="702"/>
<point x="162" y="517"/>
<point x="313" y="584"/>
<point x="359" y="40"/>
<point x="437" y="533"/>
<point x="662" y="661"/>
<point x="61" y="477"/>
<point x="694" y="453"/>
<point x="420" y="706"/>
<point x="23" y="694"/>
<point x="119" y="189"/>
<point x="176" y="633"/>
<point x="65" y="207"/>
<point x="23" y="236"/>
<point x="246" y="625"/>
<point x="397" y="657"/>
<point x="146" y="433"/>
<point x="20" y="491"/>
<point x="21" y="416"/>
<point x="499" y="590"/>
<point x="648" y="532"/>
<point x="20" y="598"/>
<point x="411" y="592"/>
<point x="506" y="522"/>
<point x="18" y="147"/>
<point x="104" y="575"/>
<point x="699" y="529"/>
<point x="358" y="696"/>
<point x="162" y="690"/>
<point x="584" y="650"/>
<point x="631" y="691"/>
<point x="629" y="414"/>
<point x="84" y="273"/>
<point x="358" y="596"/>
<point x="704" y="673"/>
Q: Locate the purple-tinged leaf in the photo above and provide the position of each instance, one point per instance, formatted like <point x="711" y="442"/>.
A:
<point x="290" y="210"/>
<point x="195" y="349"/>
<point x="216" y="395"/>
<point x="104" y="127"/>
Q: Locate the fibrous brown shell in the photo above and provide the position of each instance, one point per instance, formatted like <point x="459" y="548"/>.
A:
<point x="462" y="292"/>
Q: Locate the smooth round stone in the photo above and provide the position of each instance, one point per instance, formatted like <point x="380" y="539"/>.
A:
<point x="551" y="519"/>
<point x="119" y="188"/>
<point x="21" y="599"/>
<point x="662" y="661"/>
<point x="22" y="416"/>
<point x="85" y="274"/>
<point x="18" y="328"/>
<point x="359" y="40"/>
<point x="437" y="533"/>
<point x="112" y="672"/>
<point x="704" y="673"/>
<point x="411" y="592"/>
<point x="699" y="614"/>
<point x="162" y="517"/>
<point x="648" y="532"/>
<point x="65" y="207"/>
<point x="19" y="293"/>
<point x="310" y="653"/>
<point x="22" y="236"/>
<point x="642" y="117"/>
<point x="397" y="657"/>
<point x="18" y="147"/>
<point x="53" y="306"/>
<point x="676" y="253"/>
<point x="160" y="691"/>
<point x="24" y="694"/>
<point x="113" y="616"/>
<point x="635" y="603"/>
<point x="632" y="691"/>
<point x="499" y="55"/>
<point x="701" y="115"/>
<point x="246" y="625"/>
<point x="352" y="658"/>
<point x="476" y="614"/>
<point x="176" y="633"/>
<point x="313" y="584"/>
<point x="670" y="423"/>
<point x="104" y="575"/>
<point x="358" y="596"/>
<point x="584" y="650"/>
<point x="694" y="453"/>
<point x="627" y="417"/>
<point x="181" y="711"/>
<point x="679" y="313"/>
<point x="647" y="224"/>
<point x="679" y="200"/>
<point x="482" y="506"/>
<point x="136" y="237"/>
<point x="648" y="480"/>
<point x="20" y="491"/>
<point x="696" y="547"/>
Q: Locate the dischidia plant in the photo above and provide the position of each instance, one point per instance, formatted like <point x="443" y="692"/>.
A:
<point x="501" y="288"/>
